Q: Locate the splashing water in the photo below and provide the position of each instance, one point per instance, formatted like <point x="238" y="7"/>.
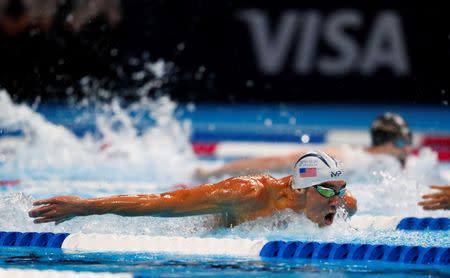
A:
<point x="382" y="187"/>
<point x="53" y="152"/>
<point x="161" y="155"/>
<point x="284" y="225"/>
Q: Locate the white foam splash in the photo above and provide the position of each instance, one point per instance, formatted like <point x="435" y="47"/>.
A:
<point x="284" y="225"/>
<point x="14" y="209"/>
<point x="288" y="225"/>
<point x="162" y="155"/>
<point x="54" y="152"/>
<point x="382" y="187"/>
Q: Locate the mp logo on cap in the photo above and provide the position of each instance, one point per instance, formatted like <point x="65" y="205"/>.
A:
<point x="336" y="174"/>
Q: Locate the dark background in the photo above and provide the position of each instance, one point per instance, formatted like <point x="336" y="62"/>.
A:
<point x="211" y="55"/>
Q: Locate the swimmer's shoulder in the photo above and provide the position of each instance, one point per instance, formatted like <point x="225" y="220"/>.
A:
<point x="267" y="181"/>
<point x="260" y="181"/>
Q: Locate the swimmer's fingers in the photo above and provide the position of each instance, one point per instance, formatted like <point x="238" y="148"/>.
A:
<point x="51" y="218"/>
<point x="37" y="212"/>
<point x="432" y="201"/>
<point x="436" y="206"/>
<point x="54" y="200"/>
<point x="52" y="215"/>
<point x="432" y="196"/>
<point x="441" y="187"/>
<point x="43" y="220"/>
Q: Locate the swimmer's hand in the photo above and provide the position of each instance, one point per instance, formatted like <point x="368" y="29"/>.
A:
<point x="439" y="200"/>
<point x="350" y="203"/>
<point x="201" y="173"/>
<point x="58" y="209"/>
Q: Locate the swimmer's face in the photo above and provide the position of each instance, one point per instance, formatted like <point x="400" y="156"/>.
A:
<point x="400" y="152"/>
<point x="320" y="209"/>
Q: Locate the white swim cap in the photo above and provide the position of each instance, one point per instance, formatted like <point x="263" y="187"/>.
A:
<point x="316" y="167"/>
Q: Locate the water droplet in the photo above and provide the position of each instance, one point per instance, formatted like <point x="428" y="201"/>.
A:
<point x="133" y="61"/>
<point x="305" y="138"/>
<point x="190" y="107"/>
<point x="198" y="76"/>
<point x="140" y="75"/>
<point x="292" y="120"/>
<point x="181" y="46"/>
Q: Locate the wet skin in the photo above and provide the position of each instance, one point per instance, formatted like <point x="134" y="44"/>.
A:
<point x="437" y="200"/>
<point x="322" y="210"/>
<point x="236" y="200"/>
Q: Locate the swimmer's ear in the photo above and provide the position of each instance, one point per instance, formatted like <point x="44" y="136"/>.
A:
<point x="302" y="191"/>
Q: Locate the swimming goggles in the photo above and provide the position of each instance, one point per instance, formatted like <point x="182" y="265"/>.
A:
<point x="329" y="192"/>
<point x="401" y="143"/>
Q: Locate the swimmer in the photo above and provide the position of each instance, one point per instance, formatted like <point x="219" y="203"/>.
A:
<point x="390" y="135"/>
<point x="438" y="200"/>
<point x="316" y="189"/>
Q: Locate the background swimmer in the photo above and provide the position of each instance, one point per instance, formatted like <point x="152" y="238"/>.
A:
<point x="390" y="135"/>
<point x="315" y="189"/>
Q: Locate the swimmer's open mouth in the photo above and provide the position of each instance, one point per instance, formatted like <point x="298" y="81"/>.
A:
<point x="329" y="218"/>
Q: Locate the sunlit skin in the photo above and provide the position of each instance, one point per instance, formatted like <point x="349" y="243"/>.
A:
<point x="437" y="200"/>
<point x="235" y="200"/>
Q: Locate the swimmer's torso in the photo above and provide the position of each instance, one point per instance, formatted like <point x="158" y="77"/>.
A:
<point x="270" y="198"/>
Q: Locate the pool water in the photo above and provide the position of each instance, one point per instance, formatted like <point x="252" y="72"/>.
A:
<point x="145" y="147"/>
<point x="177" y="266"/>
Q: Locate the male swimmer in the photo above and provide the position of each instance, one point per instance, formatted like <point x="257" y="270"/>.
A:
<point x="390" y="135"/>
<point x="316" y="189"/>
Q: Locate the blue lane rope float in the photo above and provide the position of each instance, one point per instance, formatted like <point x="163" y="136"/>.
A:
<point x="428" y="223"/>
<point x="48" y="240"/>
<point x="358" y="252"/>
<point x="272" y="249"/>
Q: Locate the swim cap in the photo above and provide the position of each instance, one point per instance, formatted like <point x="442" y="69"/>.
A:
<point x="316" y="167"/>
<point x="388" y="127"/>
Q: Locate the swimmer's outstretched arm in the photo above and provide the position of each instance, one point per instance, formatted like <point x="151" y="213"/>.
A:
<point x="257" y="165"/>
<point x="251" y="166"/>
<point x="227" y="196"/>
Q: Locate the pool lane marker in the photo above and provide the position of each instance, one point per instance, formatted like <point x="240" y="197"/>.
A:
<point x="428" y="223"/>
<point x="230" y="247"/>
<point x="9" y="182"/>
<point x="356" y="252"/>
<point x="31" y="239"/>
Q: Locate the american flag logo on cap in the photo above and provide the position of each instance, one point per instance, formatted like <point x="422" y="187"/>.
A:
<point x="307" y="172"/>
